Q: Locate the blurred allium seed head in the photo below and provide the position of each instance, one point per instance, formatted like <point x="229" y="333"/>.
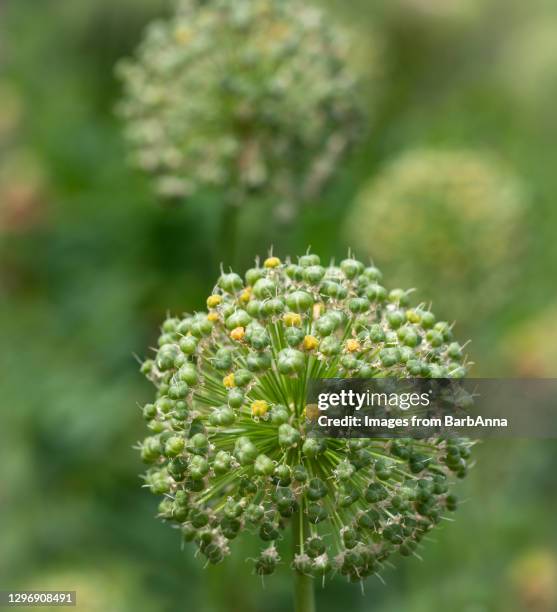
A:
<point x="241" y="95"/>
<point x="228" y="450"/>
<point x="443" y="219"/>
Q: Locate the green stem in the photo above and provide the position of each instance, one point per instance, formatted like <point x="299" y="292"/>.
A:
<point x="304" y="597"/>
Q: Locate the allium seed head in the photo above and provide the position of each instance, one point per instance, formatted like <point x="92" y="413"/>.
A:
<point x="241" y="94"/>
<point x="451" y="216"/>
<point x="228" y="447"/>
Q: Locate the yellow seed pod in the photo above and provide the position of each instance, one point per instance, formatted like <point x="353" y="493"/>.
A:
<point x="272" y="262"/>
<point x="412" y="316"/>
<point x="259" y="408"/>
<point x="213" y="317"/>
<point x="292" y="319"/>
<point x="213" y="301"/>
<point x="310" y="343"/>
<point x="245" y="296"/>
<point x="228" y="381"/>
<point x="238" y="333"/>
<point x="352" y="345"/>
<point x="311" y="412"/>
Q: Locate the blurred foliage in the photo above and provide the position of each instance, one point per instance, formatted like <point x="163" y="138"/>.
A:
<point x="90" y="262"/>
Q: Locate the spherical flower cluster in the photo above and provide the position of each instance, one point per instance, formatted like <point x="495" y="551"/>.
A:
<point x="443" y="219"/>
<point x="240" y="94"/>
<point x="229" y="449"/>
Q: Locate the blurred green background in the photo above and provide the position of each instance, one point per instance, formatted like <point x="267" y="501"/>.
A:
<point x="90" y="263"/>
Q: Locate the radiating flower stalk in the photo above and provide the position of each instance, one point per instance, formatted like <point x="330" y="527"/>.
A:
<point x="229" y="451"/>
<point x="241" y="97"/>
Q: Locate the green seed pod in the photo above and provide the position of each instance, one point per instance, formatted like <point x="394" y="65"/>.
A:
<point x="279" y="414"/>
<point x="267" y="561"/>
<point x="376" y="293"/>
<point x="314" y="274"/>
<point x="299" y="473"/>
<point x="265" y="288"/>
<point x="230" y="527"/>
<point x="309" y="259"/>
<point x="287" y="435"/>
<point x="223" y="359"/>
<point x="188" y="344"/>
<point x="198" y="467"/>
<point x="299" y="301"/>
<point x="230" y="283"/>
<point x="255" y="309"/>
<point x="349" y="537"/>
<point x="294" y="336"/>
<point x="290" y="361"/>
<point x="315" y="546"/>
<point x="174" y="446"/>
<point x="253" y="275"/>
<point x="223" y="416"/>
<point x="245" y="451"/>
<point x="177" y="469"/>
<point x="242" y="377"/>
<point x="347" y="495"/>
<point x="263" y="465"/>
<point x="254" y="513"/>
<point x="295" y="272"/>
<point x="273" y="307"/>
<point x="312" y="447"/>
<point x="351" y="268"/>
<point x="240" y="318"/>
<point x="222" y="462"/>
<point x="151" y="449"/>
<point x="201" y="326"/>
<point x="199" y="444"/>
<point x="282" y="475"/>
<point x="325" y="326"/>
<point x="268" y="531"/>
<point x="316" y="513"/>
<point x="330" y="346"/>
<point x="178" y="390"/>
<point x="149" y="411"/>
<point x="235" y="398"/>
<point x="259" y="340"/>
<point x="317" y="489"/>
<point x="165" y="357"/>
<point x="259" y="362"/>
<point x="302" y="563"/>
